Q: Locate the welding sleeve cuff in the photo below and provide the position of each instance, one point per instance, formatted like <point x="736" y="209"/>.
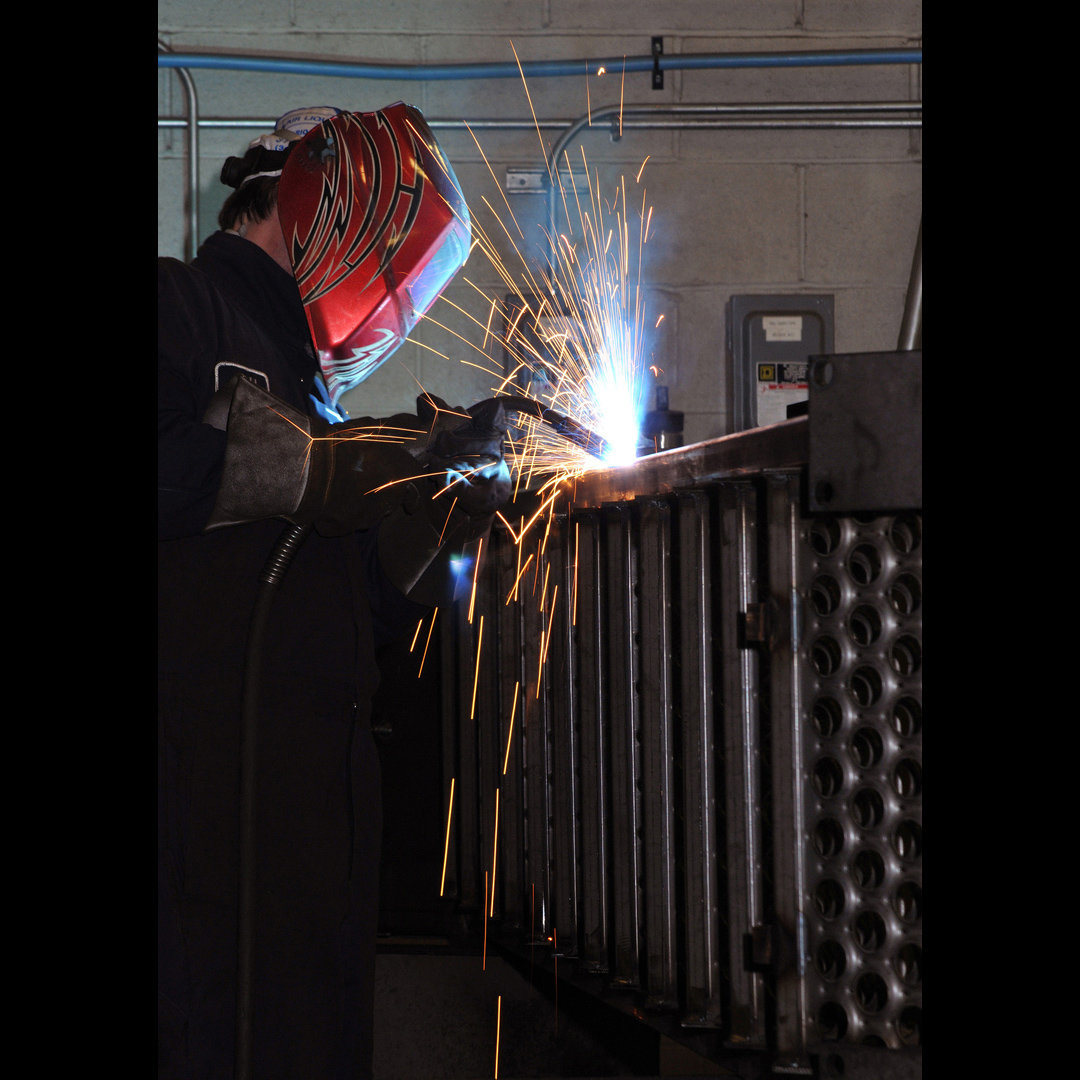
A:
<point x="280" y="462"/>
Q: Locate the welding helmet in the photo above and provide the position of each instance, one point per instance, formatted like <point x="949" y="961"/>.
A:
<point x="375" y="226"/>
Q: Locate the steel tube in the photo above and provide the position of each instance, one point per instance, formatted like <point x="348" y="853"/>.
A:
<point x="192" y="126"/>
<point x="654" y="694"/>
<point x="911" y="327"/>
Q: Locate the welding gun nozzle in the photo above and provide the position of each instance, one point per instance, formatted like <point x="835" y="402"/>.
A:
<point x="563" y="425"/>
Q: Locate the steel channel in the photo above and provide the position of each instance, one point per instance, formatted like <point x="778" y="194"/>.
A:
<point x="623" y="762"/>
<point x="467" y="800"/>
<point x="449" y="636"/>
<point x="696" y="622"/>
<point x="788" y="779"/>
<point x="746" y="453"/>
<point x="591" y="687"/>
<point x="561" y="725"/>
<point x="507" y="640"/>
<point x="738" y="569"/>
<point x="537" y="765"/>
<point x="657" y="780"/>
<point x="486" y="719"/>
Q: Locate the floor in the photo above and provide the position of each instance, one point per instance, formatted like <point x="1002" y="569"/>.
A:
<point x="471" y="1017"/>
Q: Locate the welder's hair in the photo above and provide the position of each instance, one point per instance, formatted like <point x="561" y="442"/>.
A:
<point x="255" y="196"/>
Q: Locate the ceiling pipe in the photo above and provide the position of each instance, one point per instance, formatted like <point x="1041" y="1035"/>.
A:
<point x="540" y="68"/>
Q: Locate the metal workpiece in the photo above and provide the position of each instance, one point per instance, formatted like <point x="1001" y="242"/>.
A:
<point x="657" y="714"/>
<point x="744" y="455"/>
<point x="590" y="695"/>
<point x="787" y="920"/>
<point x="712" y="801"/>
<point x="624" y="756"/>
<point x="561" y="725"/>
<point x="740" y="797"/>
<point x="698" y="755"/>
<point x="863" y="744"/>
<point x="536" y="768"/>
<point x="504" y="715"/>
<point x="865" y="432"/>
<point x="469" y="782"/>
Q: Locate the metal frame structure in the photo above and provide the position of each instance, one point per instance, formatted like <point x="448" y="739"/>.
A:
<point x="709" y="705"/>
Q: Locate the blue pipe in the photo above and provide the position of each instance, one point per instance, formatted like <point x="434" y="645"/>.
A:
<point x="541" y="68"/>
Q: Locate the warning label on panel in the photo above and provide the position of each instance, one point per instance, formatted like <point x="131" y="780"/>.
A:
<point x="778" y="386"/>
<point x="786" y="376"/>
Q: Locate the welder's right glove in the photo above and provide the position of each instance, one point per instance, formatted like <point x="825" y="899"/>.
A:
<point x="430" y="542"/>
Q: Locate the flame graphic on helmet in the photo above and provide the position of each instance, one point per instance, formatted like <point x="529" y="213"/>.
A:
<point x="376" y="226"/>
<point x="335" y="245"/>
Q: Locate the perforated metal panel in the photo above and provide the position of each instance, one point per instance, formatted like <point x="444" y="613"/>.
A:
<point x="863" y="689"/>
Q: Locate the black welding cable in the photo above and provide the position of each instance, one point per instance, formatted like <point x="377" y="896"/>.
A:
<point x="269" y="580"/>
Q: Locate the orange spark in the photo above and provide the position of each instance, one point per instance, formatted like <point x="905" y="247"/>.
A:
<point x="510" y="733"/>
<point x="476" y="574"/>
<point x="476" y="677"/>
<point x="494" y="854"/>
<point x="447" y="521"/>
<point x="427" y="643"/>
<point x="513" y="591"/>
<point x="551" y="620"/>
<point x="446" y="846"/>
<point x="573" y="606"/>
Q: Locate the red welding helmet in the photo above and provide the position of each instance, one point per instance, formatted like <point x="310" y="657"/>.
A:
<point x="376" y="226"/>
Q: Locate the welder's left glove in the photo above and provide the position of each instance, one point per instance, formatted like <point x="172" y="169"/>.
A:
<point x="283" y="463"/>
<point x="429" y="543"/>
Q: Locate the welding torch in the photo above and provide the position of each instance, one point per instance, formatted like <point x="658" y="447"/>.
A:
<point x="563" y="425"/>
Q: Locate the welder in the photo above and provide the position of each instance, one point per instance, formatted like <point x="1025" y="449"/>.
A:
<point x="341" y="230"/>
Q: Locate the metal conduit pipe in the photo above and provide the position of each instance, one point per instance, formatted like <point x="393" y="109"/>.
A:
<point x="729" y="117"/>
<point x="192" y="126"/>
<point x="776" y="115"/>
<point x="911" y="326"/>
<point x="541" y="68"/>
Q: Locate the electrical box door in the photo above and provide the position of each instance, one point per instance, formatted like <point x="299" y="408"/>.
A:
<point x="770" y="341"/>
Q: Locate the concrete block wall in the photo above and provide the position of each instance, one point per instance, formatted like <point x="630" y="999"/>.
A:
<point x="746" y="211"/>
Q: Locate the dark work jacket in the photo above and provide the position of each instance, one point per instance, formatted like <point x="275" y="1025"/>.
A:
<point x="318" y="815"/>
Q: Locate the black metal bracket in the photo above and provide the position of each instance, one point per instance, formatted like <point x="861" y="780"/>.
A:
<point x="657" y="74"/>
<point x="865" y="432"/>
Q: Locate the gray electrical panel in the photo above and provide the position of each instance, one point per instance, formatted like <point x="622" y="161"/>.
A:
<point x="770" y="341"/>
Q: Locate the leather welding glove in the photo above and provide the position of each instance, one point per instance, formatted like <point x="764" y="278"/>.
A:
<point x="280" y="462"/>
<point x="428" y="544"/>
<point x="433" y="480"/>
